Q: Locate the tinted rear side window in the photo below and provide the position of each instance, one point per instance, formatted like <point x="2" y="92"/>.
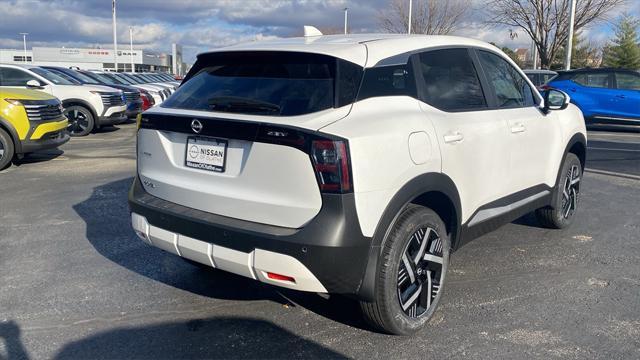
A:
<point x="628" y="81"/>
<point x="451" y="81"/>
<point x="267" y="83"/>
<point x="391" y="80"/>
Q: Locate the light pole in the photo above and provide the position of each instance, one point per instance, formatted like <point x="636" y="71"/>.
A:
<point x="133" y="67"/>
<point x="24" y="44"/>
<point x="409" y="24"/>
<point x="572" y="15"/>
<point x="115" y="40"/>
<point x="346" y="10"/>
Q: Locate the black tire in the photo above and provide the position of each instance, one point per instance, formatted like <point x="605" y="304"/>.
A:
<point x="7" y="149"/>
<point x="81" y="121"/>
<point x="418" y="233"/>
<point x="565" y="198"/>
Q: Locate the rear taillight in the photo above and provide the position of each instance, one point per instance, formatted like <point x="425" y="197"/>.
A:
<point x="544" y="87"/>
<point x="331" y="164"/>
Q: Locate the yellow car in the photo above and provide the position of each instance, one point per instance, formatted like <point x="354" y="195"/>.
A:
<point x="30" y="120"/>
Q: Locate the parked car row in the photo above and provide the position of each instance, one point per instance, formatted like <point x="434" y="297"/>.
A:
<point x="41" y="106"/>
<point x="604" y="95"/>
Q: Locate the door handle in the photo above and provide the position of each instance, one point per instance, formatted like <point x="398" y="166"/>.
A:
<point x="518" y="128"/>
<point x="572" y="89"/>
<point x="620" y="96"/>
<point x="453" y="137"/>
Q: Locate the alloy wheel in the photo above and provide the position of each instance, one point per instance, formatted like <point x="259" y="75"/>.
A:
<point x="570" y="191"/>
<point x="1" y="150"/>
<point x="420" y="272"/>
<point x="78" y="121"/>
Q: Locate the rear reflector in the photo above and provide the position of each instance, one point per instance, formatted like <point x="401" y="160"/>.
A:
<point x="275" y="276"/>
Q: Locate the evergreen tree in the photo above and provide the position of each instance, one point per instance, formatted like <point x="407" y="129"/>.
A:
<point x="624" y="51"/>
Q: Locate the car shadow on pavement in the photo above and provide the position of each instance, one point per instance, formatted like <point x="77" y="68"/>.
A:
<point x="108" y="229"/>
<point x="10" y="336"/>
<point x="106" y="129"/>
<point x="39" y="156"/>
<point x="211" y="338"/>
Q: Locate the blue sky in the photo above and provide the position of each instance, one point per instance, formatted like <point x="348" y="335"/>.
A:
<point x="200" y="25"/>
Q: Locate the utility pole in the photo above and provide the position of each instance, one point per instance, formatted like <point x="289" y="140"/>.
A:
<point x="115" y="40"/>
<point x="133" y="67"/>
<point x="24" y="44"/>
<point x="572" y="15"/>
<point x="346" y="10"/>
<point x="409" y="24"/>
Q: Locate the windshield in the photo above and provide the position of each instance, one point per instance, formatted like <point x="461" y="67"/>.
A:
<point x="65" y="76"/>
<point x="83" y="78"/>
<point x="103" y="79"/>
<point x="125" y="78"/>
<point x="53" y="77"/>
<point x="267" y="83"/>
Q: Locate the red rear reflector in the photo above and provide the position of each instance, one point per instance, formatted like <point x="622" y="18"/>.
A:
<point x="275" y="276"/>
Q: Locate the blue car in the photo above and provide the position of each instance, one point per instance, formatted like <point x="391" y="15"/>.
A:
<point x="605" y="96"/>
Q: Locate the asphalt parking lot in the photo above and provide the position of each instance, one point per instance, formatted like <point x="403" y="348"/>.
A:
<point x="75" y="282"/>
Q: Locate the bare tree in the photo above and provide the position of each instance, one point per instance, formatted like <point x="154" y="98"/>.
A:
<point x="432" y="17"/>
<point x="547" y="21"/>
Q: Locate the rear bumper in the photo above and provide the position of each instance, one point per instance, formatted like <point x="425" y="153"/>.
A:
<point x="329" y="254"/>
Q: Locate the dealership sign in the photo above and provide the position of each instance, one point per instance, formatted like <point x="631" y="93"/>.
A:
<point x="84" y="55"/>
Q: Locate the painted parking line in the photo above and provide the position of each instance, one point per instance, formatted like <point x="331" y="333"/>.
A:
<point x="612" y="149"/>
<point x="613" y="173"/>
<point x="627" y="135"/>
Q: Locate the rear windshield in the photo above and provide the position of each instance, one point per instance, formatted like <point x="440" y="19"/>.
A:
<point x="267" y="83"/>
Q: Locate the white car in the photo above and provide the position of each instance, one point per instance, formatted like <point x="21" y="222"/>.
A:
<point x="353" y="164"/>
<point x="87" y="107"/>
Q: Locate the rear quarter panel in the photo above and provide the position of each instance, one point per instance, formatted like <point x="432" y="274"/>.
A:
<point x="378" y="130"/>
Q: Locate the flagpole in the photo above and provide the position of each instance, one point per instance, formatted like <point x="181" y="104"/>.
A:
<point x="115" y="40"/>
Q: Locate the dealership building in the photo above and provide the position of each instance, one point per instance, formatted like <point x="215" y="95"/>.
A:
<point x="99" y="59"/>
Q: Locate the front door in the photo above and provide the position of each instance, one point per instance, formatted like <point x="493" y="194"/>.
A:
<point x="534" y="137"/>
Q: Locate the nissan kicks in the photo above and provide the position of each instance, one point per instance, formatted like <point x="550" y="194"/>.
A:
<point x="353" y="164"/>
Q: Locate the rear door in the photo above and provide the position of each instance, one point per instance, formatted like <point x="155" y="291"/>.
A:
<point x="473" y="140"/>
<point x="627" y="97"/>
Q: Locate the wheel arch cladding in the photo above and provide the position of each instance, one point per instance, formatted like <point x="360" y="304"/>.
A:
<point x="8" y="128"/>
<point x="434" y="190"/>
<point x="577" y="145"/>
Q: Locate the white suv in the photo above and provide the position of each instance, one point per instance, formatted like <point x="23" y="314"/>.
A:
<point x="353" y="164"/>
<point x="87" y="107"/>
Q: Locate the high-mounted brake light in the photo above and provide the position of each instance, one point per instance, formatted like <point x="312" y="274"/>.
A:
<point x="331" y="163"/>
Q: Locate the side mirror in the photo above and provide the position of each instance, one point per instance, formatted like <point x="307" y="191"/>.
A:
<point x="34" y="84"/>
<point x="555" y="100"/>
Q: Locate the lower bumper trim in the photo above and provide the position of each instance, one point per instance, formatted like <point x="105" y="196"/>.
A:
<point x="48" y="141"/>
<point x="255" y="264"/>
